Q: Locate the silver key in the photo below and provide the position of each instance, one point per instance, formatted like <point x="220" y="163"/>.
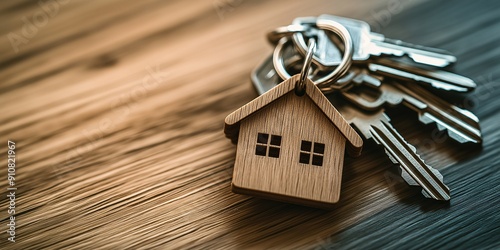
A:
<point x="461" y="125"/>
<point x="264" y="78"/>
<point x="436" y="78"/>
<point x="265" y="75"/>
<point x="274" y="36"/>
<point x="367" y="44"/>
<point x="376" y="126"/>
<point x="327" y="53"/>
<point x="285" y="51"/>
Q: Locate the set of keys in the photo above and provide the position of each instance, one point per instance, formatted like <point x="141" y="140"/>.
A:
<point x="376" y="78"/>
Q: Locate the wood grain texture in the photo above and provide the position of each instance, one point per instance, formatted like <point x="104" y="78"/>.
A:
<point x="117" y="108"/>
<point x="284" y="174"/>
<point x="355" y="142"/>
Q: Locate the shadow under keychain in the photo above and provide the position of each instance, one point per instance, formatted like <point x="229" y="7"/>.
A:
<point x="291" y="140"/>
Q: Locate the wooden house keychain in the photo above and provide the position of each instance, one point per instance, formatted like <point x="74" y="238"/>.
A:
<point x="291" y="140"/>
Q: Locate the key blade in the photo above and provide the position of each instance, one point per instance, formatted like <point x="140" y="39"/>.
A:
<point x="430" y="60"/>
<point x="264" y="76"/>
<point x="382" y="38"/>
<point x="405" y="154"/>
<point x="420" y="54"/>
<point x="376" y="126"/>
<point x="461" y="125"/>
<point x="457" y="133"/>
<point x="435" y="78"/>
<point x="275" y="35"/>
<point x="406" y="176"/>
<point x="328" y="54"/>
<point x="365" y="78"/>
<point x="438" y="175"/>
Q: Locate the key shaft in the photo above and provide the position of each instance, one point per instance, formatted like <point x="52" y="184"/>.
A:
<point x="438" y="79"/>
<point x="367" y="45"/>
<point x="377" y="127"/>
<point x="461" y="125"/>
<point x="419" y="54"/>
<point x="415" y="171"/>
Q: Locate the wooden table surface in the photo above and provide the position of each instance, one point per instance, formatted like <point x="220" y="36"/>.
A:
<point x="116" y="108"/>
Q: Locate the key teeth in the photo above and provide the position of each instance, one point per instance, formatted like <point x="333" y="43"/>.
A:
<point x="467" y="113"/>
<point x="414" y="149"/>
<point x="409" y="145"/>
<point x="440" y="127"/>
<point x="425" y="119"/>
<point x="437" y="173"/>
<point x="394" y="161"/>
<point x="447" y="197"/>
<point x="405" y="174"/>
<point x="412" y="182"/>
<point x="459" y="138"/>
<point x="407" y="178"/>
<point x="426" y="195"/>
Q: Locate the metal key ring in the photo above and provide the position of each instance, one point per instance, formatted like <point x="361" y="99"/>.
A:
<point x="281" y="61"/>
<point x="300" y="42"/>
<point x="300" y="86"/>
<point x="278" y="60"/>
<point x="274" y="36"/>
<point x="333" y="76"/>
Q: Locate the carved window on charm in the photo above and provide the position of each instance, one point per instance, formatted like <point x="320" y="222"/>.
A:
<point x="312" y="153"/>
<point x="269" y="145"/>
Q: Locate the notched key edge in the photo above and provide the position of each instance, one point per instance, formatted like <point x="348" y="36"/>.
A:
<point x="432" y="188"/>
<point x="448" y="81"/>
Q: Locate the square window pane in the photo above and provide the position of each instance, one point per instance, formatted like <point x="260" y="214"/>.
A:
<point x="262" y="138"/>
<point x="306" y="146"/>
<point x="260" y="150"/>
<point x="276" y="140"/>
<point x="317" y="160"/>
<point x="274" y="152"/>
<point x="304" y="158"/>
<point x="319" y="148"/>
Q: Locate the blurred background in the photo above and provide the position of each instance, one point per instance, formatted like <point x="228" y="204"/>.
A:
<point x="117" y="107"/>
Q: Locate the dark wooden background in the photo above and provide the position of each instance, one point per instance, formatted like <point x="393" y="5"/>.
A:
<point x="117" y="110"/>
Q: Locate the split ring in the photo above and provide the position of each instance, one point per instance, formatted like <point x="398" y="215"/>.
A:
<point x="328" y="81"/>
<point x="300" y="86"/>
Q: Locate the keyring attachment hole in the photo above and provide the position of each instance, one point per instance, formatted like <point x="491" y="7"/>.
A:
<point x="298" y="91"/>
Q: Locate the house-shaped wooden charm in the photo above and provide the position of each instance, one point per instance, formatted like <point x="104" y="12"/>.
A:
<point x="290" y="147"/>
